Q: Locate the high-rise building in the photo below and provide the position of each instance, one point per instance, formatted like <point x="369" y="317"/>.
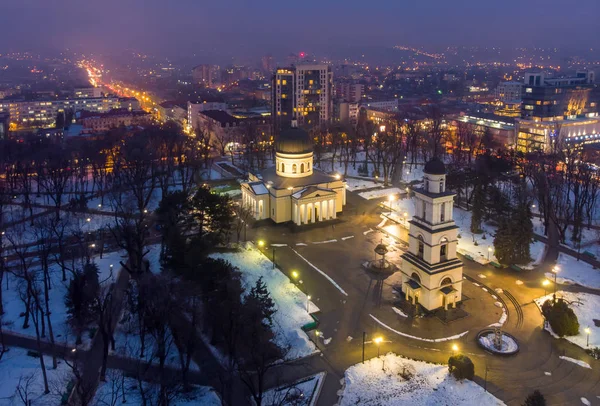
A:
<point x="302" y="93"/>
<point x="206" y="75"/>
<point x="267" y="64"/>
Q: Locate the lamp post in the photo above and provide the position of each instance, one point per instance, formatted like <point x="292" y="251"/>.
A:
<point x="363" y="352"/>
<point x="273" y="257"/>
<point x="588" y="332"/>
<point x="390" y="200"/>
<point x="294" y="275"/>
<point x="405" y="217"/>
<point x="307" y="304"/>
<point x="554" y="271"/>
<point x="489" y="252"/>
<point x="545" y="283"/>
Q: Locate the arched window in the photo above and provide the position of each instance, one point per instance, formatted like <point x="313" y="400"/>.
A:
<point x="294" y="168"/>
<point x="443" y="212"/>
<point x="308" y="167"/>
<point x="421" y="247"/>
<point x="426" y="184"/>
<point x="446" y="281"/>
<point x="301" y="168"/>
<point x="415" y="277"/>
<point x="282" y="167"/>
<point x="441" y="186"/>
<point x="443" y="249"/>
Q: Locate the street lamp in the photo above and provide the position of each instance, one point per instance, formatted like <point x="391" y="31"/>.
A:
<point x="294" y="275"/>
<point x="554" y="271"/>
<point x="545" y="283"/>
<point x="454" y="348"/>
<point x="489" y="252"/>
<point x="261" y="243"/>
<point x="390" y="200"/>
<point x="378" y="340"/>
<point x="588" y="332"/>
<point x="307" y="304"/>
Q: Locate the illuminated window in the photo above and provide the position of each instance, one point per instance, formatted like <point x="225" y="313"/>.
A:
<point x="528" y="107"/>
<point x="310" y="82"/>
<point x="294" y="168"/>
<point x="529" y="90"/>
<point x="284" y="82"/>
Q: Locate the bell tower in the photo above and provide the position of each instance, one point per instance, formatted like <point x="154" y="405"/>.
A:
<point x="431" y="271"/>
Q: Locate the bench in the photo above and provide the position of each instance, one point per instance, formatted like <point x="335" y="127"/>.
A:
<point x="495" y="264"/>
<point x="312" y="325"/>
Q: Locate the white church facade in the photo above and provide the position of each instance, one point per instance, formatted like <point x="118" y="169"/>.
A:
<point x="431" y="272"/>
<point x="293" y="190"/>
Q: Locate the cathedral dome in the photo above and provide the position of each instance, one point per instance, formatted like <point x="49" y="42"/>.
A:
<point x="435" y="167"/>
<point x="293" y="141"/>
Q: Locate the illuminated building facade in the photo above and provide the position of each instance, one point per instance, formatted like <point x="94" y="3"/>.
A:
<point x="302" y="93"/>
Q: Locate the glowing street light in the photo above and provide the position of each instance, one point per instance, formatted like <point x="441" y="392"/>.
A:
<point x="545" y="283"/>
<point x="307" y="303"/>
<point x="454" y="348"/>
<point x="489" y="252"/>
<point x="88" y="219"/>
<point x="294" y="274"/>
<point x="588" y="332"/>
<point x="378" y="341"/>
<point x="391" y="198"/>
<point x="261" y="243"/>
<point x="338" y="176"/>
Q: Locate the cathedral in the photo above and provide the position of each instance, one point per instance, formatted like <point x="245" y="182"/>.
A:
<point x="293" y="190"/>
<point x="431" y="272"/>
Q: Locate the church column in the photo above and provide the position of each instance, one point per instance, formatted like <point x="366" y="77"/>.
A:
<point x="305" y="213"/>
<point x="334" y="208"/>
<point x="326" y="209"/>
<point x="312" y="213"/>
<point x="321" y="211"/>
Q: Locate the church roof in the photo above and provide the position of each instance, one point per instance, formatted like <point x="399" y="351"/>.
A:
<point x="310" y="190"/>
<point x="258" y="188"/>
<point x="293" y="141"/>
<point x="435" y="167"/>
<point x="317" y="177"/>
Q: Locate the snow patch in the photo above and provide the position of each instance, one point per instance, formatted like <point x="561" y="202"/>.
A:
<point x="399" y="312"/>
<point x="576" y="361"/>
<point x="429" y="340"/>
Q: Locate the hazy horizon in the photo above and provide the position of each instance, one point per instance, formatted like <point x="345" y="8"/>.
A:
<point x="243" y="28"/>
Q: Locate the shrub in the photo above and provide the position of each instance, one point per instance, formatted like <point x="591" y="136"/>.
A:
<point x="461" y="367"/>
<point x="561" y="317"/>
<point x="535" y="399"/>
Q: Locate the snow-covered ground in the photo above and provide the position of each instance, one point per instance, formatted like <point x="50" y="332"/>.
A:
<point x="291" y="303"/>
<point x="354" y="184"/>
<point x="110" y="393"/>
<point x="16" y="365"/>
<point x="301" y="393"/>
<point x="379" y="193"/>
<point x="585" y="306"/>
<point x="573" y="272"/>
<point x="402" y="210"/>
<point x="393" y="380"/>
<point x="13" y="212"/>
<point x="14" y="306"/>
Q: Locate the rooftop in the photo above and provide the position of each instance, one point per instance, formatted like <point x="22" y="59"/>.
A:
<point x="270" y="176"/>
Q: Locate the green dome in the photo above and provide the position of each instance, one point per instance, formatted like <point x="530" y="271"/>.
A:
<point x="293" y="141"/>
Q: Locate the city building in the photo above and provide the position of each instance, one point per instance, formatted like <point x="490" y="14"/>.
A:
<point x="348" y="113"/>
<point x="382" y="105"/>
<point x="547" y="99"/>
<point x="206" y="75"/>
<point x="41" y="113"/>
<point x="195" y="108"/>
<point x="350" y="92"/>
<point x="226" y="131"/>
<point x="87" y="92"/>
<point x="431" y="272"/>
<point x="293" y="190"/>
<point x="302" y="93"/>
<point x="267" y="64"/>
<point x="173" y="111"/>
<point x="116" y="118"/>
<point x="501" y="128"/>
<point x="556" y="109"/>
<point x="509" y="92"/>
<point x="4" y="125"/>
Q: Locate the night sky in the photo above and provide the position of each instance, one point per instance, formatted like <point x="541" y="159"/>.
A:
<point x="284" y="26"/>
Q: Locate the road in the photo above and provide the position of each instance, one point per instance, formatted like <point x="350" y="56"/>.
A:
<point x="509" y="378"/>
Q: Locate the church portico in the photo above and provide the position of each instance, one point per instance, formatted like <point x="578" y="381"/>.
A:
<point x="310" y="206"/>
